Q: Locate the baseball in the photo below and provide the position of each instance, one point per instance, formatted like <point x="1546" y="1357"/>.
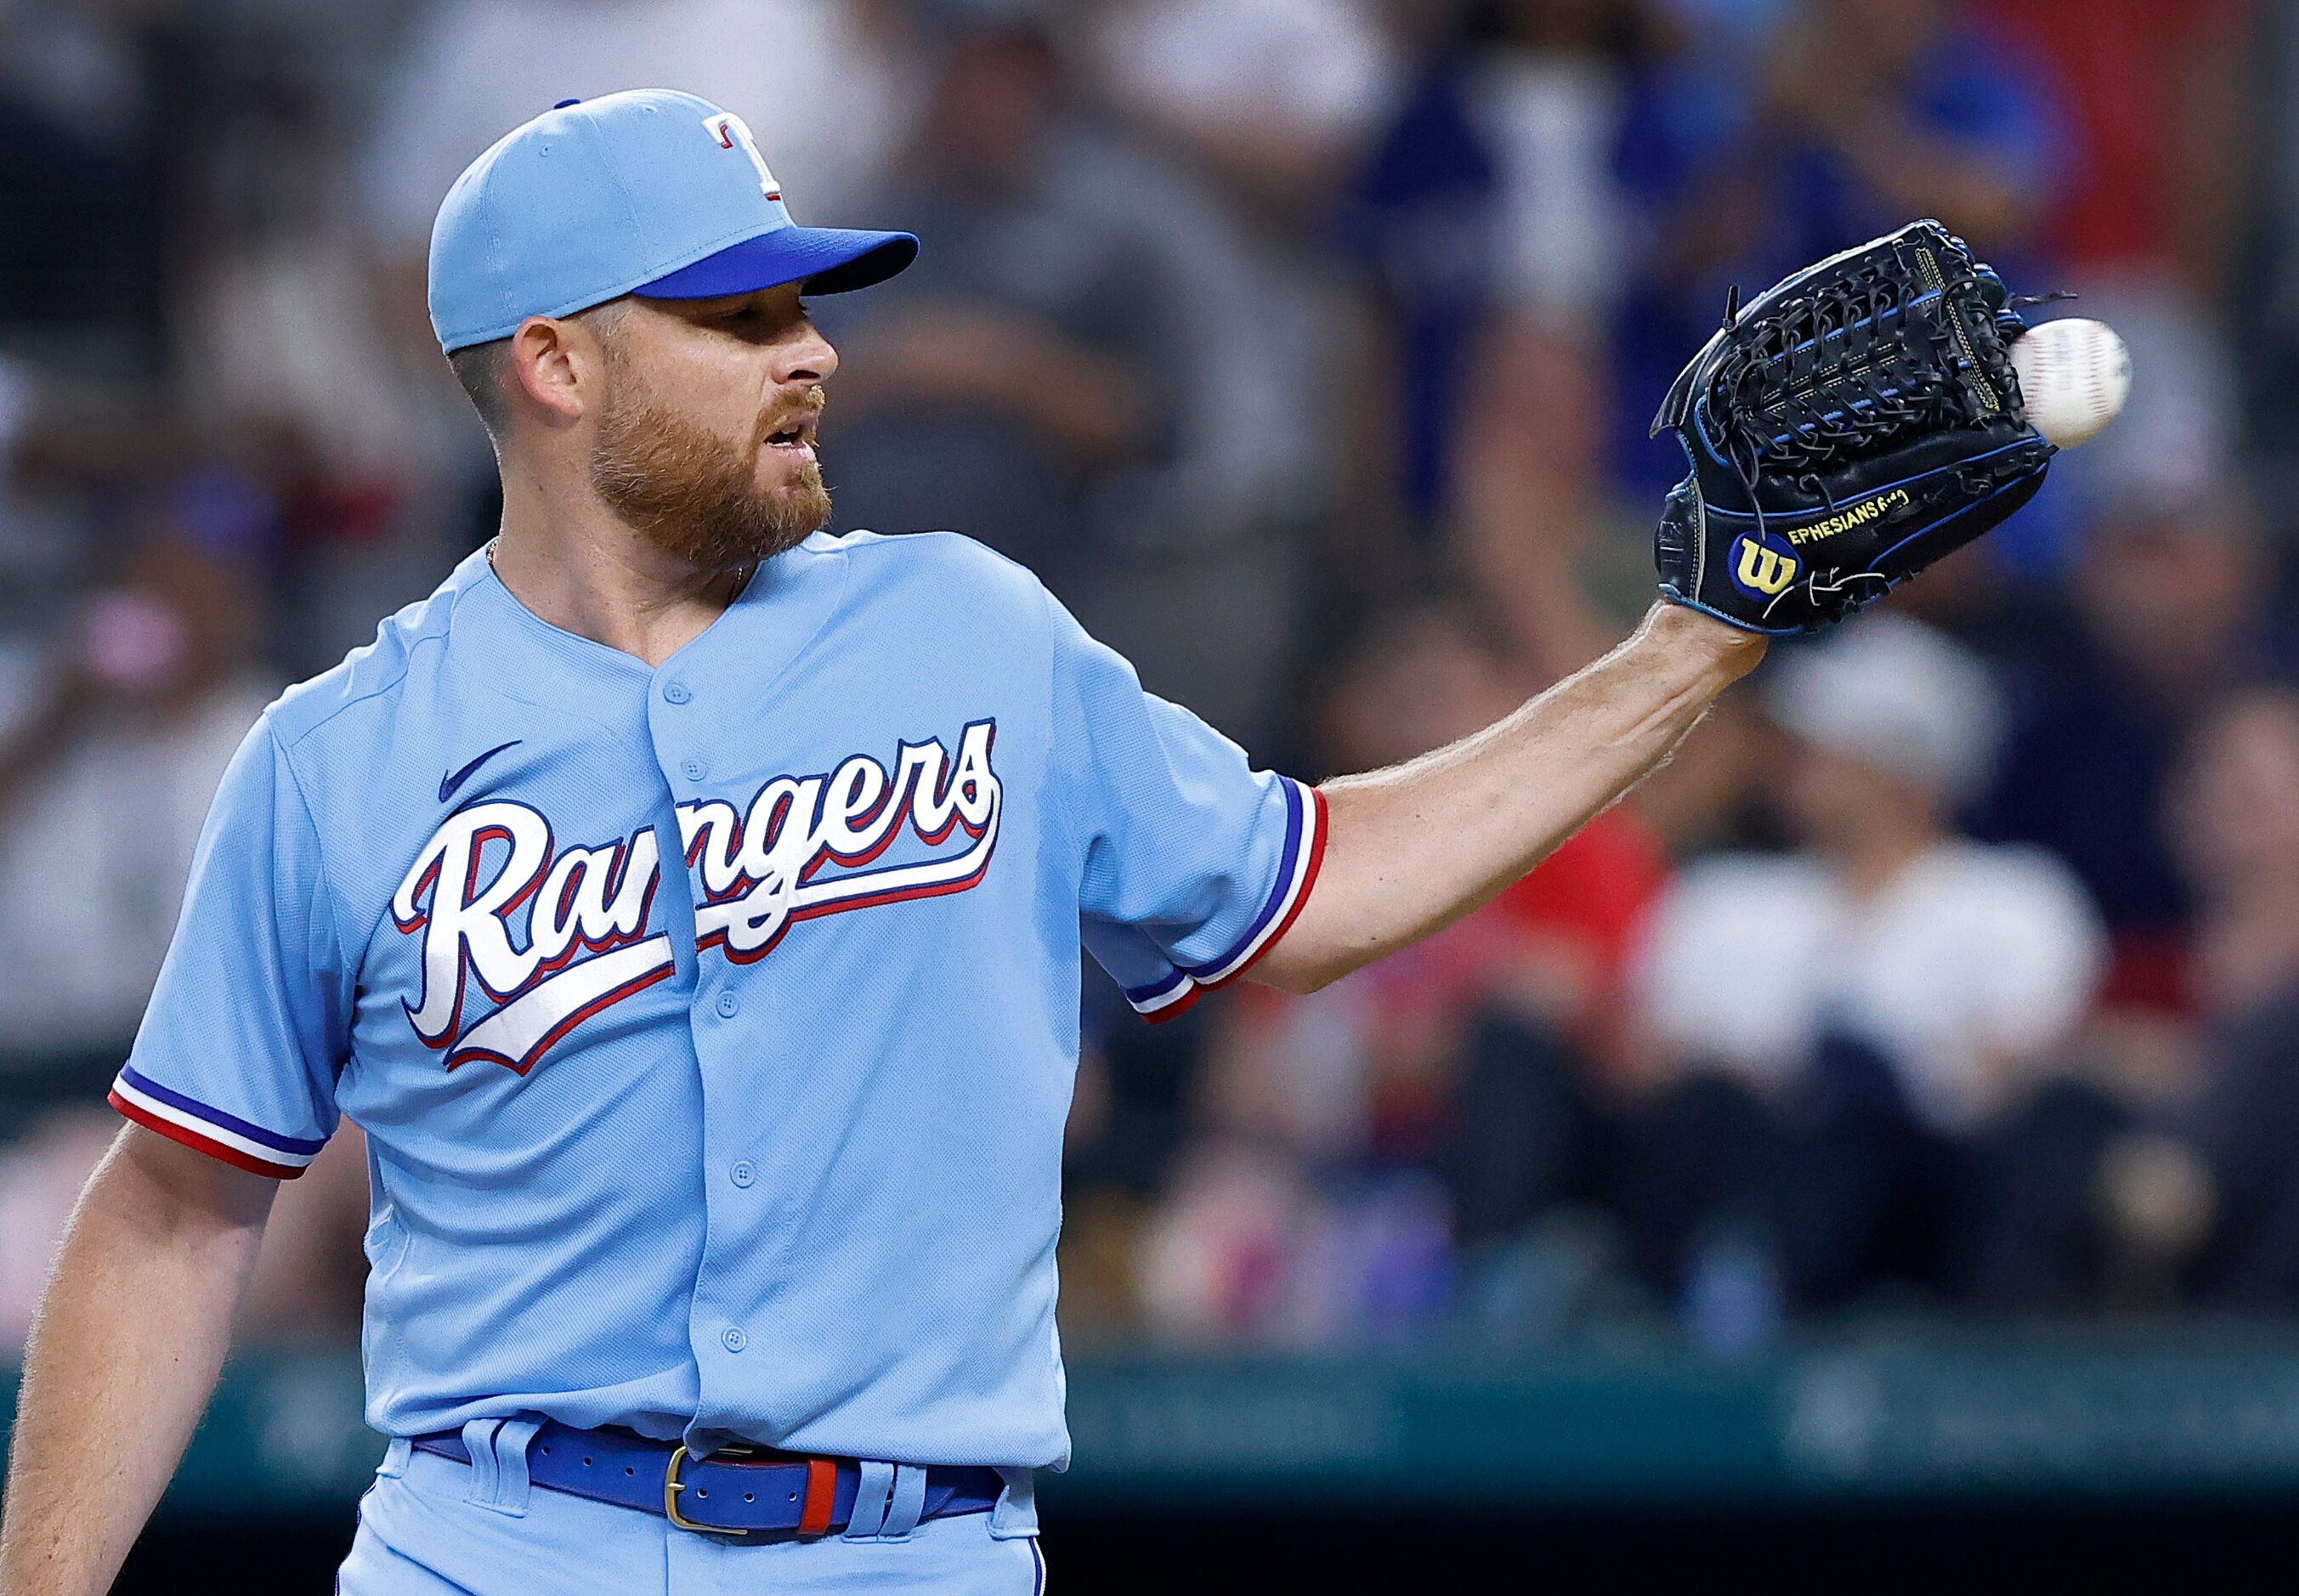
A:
<point x="2075" y="374"/>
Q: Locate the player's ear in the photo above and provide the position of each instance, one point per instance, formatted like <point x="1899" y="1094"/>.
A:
<point x="557" y="367"/>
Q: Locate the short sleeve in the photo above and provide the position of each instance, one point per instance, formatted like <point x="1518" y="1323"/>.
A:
<point x="250" y="1019"/>
<point x="1192" y="863"/>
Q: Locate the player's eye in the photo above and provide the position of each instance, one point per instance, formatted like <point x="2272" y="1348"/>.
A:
<point x="751" y="317"/>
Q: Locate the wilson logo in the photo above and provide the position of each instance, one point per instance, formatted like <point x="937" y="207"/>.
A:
<point x="1762" y="568"/>
<point x="555" y="934"/>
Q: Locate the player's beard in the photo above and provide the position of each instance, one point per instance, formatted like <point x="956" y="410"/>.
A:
<point x="692" y="494"/>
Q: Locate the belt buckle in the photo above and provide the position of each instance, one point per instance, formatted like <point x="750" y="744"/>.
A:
<point x="672" y="1485"/>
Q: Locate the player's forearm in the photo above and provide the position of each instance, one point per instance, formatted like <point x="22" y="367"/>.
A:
<point x="123" y="1357"/>
<point x="1412" y="849"/>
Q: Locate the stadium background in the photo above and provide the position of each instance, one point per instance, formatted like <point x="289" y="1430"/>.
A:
<point x="1306" y="348"/>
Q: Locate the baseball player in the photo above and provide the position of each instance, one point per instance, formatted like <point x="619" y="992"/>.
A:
<point x="688" y="905"/>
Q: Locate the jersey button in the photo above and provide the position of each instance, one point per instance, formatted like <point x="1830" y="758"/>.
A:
<point x="744" y="1174"/>
<point x="729" y="1005"/>
<point x="735" y="1341"/>
<point x="694" y="769"/>
<point x="677" y="692"/>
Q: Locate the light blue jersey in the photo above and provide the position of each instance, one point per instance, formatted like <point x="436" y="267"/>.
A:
<point x="765" y="1144"/>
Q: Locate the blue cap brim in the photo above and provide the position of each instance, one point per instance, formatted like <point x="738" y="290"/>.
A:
<point x="820" y="260"/>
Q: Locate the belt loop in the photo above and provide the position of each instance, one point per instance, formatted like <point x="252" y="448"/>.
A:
<point x="1016" y="1516"/>
<point x="511" y="1443"/>
<point x="871" y="1493"/>
<point x="498" y="1449"/>
<point x="394" y="1457"/>
<point x="909" y="1501"/>
<point x="479" y="1441"/>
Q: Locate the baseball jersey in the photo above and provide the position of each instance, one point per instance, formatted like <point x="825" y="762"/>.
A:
<point x="712" y="1026"/>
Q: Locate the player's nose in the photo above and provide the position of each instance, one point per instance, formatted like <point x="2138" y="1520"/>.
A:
<point x="806" y="357"/>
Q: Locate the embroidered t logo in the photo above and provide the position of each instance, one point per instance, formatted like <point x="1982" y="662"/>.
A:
<point x="732" y="134"/>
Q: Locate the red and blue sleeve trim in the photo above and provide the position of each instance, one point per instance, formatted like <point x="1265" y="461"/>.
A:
<point x="197" y="1125"/>
<point x="1297" y="873"/>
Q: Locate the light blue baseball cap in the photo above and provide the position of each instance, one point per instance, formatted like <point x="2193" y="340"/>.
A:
<point x="649" y="192"/>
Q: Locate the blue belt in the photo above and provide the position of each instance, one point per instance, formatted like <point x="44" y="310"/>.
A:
<point x="740" y="1490"/>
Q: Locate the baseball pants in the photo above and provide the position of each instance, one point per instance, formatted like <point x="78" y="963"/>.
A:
<point x="431" y="1526"/>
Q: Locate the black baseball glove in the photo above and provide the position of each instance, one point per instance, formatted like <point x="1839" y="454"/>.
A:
<point x="1846" y="429"/>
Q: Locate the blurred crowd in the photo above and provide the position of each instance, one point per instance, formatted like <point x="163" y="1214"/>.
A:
<point x="1308" y="349"/>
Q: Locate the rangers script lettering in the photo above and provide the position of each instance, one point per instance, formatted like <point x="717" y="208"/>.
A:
<point x="760" y="870"/>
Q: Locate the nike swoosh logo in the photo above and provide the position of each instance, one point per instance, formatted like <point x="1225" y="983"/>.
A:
<point x="448" y="784"/>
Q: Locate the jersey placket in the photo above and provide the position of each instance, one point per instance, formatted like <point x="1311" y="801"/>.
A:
<point x="721" y="1328"/>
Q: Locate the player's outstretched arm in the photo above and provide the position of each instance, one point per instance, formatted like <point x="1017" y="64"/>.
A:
<point x="123" y="1356"/>
<point x="1834" y="452"/>
<point x="1410" y="850"/>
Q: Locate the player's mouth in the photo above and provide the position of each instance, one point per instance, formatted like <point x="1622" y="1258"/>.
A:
<point x="793" y="440"/>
